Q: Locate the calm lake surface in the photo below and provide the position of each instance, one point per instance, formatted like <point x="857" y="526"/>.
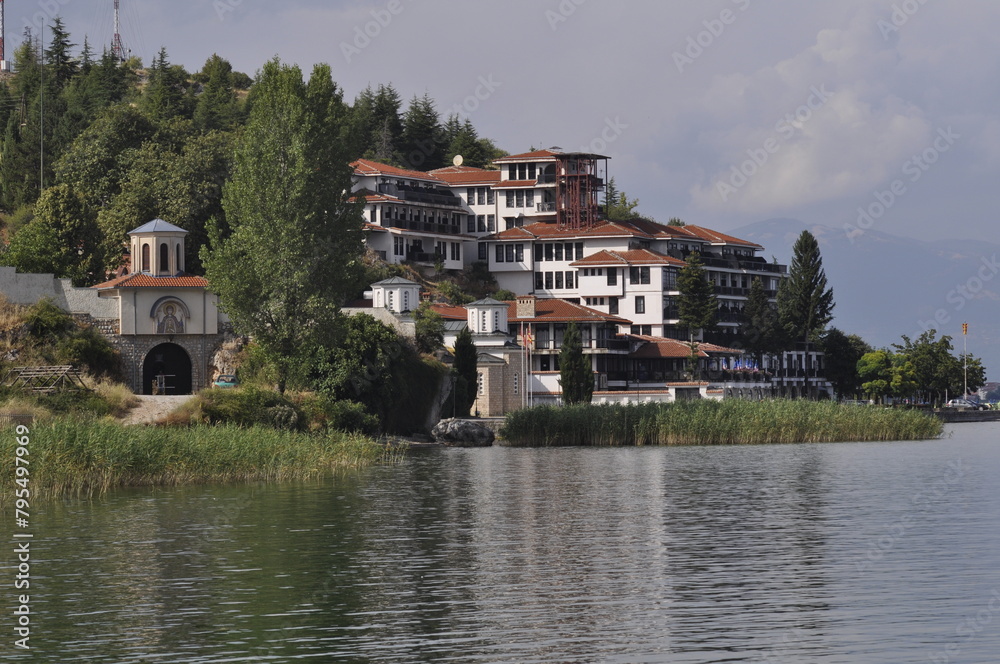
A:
<point x="831" y="553"/>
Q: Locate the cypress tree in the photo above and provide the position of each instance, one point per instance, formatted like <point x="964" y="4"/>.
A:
<point x="575" y="375"/>
<point x="698" y="307"/>
<point x="466" y="369"/>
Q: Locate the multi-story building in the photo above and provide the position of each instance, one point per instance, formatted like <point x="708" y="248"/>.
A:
<point x="410" y="215"/>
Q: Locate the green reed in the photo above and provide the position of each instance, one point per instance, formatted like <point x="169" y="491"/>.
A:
<point x="84" y="456"/>
<point x="709" y="422"/>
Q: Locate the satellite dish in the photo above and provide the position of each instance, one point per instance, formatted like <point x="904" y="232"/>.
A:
<point x="457" y="160"/>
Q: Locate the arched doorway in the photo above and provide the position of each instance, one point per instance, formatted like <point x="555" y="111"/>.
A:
<point x="169" y="366"/>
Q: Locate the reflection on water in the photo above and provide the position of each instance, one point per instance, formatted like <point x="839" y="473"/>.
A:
<point x="802" y="553"/>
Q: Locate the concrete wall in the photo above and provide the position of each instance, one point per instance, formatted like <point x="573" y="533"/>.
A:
<point x="27" y="289"/>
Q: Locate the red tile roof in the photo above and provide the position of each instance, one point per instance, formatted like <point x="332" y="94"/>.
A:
<point x="374" y="198"/>
<point x="524" y="156"/>
<point x="367" y="167"/>
<point x="552" y="310"/>
<point x="450" y="311"/>
<point x="543" y="230"/>
<point x="148" y="281"/>
<point x="659" y="347"/>
<point x="466" y="175"/>
<point x="630" y="257"/>
<point x="514" y="184"/>
<point x="720" y="238"/>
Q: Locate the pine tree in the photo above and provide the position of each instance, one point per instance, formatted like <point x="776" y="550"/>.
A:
<point x="296" y="245"/>
<point x="575" y="375"/>
<point x="759" y="320"/>
<point x="58" y="60"/>
<point x="216" y="107"/>
<point x="697" y="304"/>
<point x="466" y="370"/>
<point x="421" y="141"/>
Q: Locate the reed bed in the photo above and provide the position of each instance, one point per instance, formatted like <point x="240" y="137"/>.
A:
<point x="70" y="457"/>
<point x="708" y="422"/>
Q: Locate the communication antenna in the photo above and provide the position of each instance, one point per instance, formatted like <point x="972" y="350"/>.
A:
<point x="117" y="49"/>
<point x="3" y="53"/>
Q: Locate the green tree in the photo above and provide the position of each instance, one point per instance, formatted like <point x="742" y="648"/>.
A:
<point x="429" y="328"/>
<point x="62" y="66"/>
<point x="805" y="304"/>
<point x="462" y="139"/>
<point x="697" y="304"/>
<point x="937" y="371"/>
<point x="759" y="320"/>
<point x="167" y="95"/>
<point x="421" y="140"/>
<point x="875" y="374"/>
<point x="295" y="250"/>
<point x="217" y="106"/>
<point x="466" y="369"/>
<point x="575" y="375"/>
<point x="676" y="221"/>
<point x="842" y="354"/>
<point x="62" y="239"/>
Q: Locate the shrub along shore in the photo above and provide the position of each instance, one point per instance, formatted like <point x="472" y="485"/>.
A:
<point x="705" y="422"/>
<point x="80" y="457"/>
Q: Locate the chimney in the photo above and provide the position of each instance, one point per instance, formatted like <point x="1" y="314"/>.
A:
<point x="525" y="306"/>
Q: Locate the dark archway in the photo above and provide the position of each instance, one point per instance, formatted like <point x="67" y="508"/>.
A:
<point x="172" y="363"/>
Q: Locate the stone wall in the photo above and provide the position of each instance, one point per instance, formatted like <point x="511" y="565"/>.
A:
<point x="200" y="348"/>
<point x="27" y="289"/>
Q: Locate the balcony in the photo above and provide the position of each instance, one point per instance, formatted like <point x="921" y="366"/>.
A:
<point x="545" y="207"/>
<point x="428" y="195"/>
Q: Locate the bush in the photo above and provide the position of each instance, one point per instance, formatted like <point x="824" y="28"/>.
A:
<point x="244" y="407"/>
<point x="47" y="321"/>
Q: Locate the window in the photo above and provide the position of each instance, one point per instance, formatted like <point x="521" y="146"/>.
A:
<point x="559" y="280"/>
<point x="639" y="275"/>
<point x="397" y="246"/>
<point x="559" y="251"/>
<point x="548" y="251"/>
<point x="498" y="257"/>
<point x="579" y="250"/>
<point x="510" y="199"/>
<point x="670" y="279"/>
<point x="640" y="304"/>
<point x="519" y="197"/>
<point x="481" y="196"/>
<point x="538" y="253"/>
<point x="538" y="281"/>
<point x="531" y="171"/>
<point x="470" y="195"/>
<point x="470" y="223"/>
<point x="522" y="171"/>
<point x="510" y="253"/>
<point x="481" y="223"/>
<point x="612" y="276"/>
<point x="613" y="306"/>
<point x="164" y="257"/>
<point x="529" y="198"/>
<point x="569" y="279"/>
<point x="483" y="251"/>
<point x="491" y="223"/>
<point x="178" y="253"/>
<point x="489" y="196"/>
<point x="548" y="281"/>
<point x="519" y="253"/>
<point x="456" y="251"/>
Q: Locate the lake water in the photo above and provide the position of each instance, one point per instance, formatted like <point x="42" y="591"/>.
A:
<point x="831" y="553"/>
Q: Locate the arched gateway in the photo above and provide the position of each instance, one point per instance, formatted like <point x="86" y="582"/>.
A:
<point x="166" y="370"/>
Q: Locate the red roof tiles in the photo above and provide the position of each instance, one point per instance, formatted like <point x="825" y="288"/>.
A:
<point x="630" y="257"/>
<point x="148" y="281"/>
<point x="367" y="167"/>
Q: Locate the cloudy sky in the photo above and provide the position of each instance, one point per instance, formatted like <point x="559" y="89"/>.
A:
<point x="856" y="114"/>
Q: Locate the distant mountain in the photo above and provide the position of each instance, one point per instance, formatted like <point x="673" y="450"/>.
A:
<point x="886" y="286"/>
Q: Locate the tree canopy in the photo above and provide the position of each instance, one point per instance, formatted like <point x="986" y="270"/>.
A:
<point x="295" y="249"/>
<point x="575" y="375"/>
<point x="698" y="307"/>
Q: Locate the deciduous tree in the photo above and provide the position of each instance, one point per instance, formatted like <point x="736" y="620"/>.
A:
<point x="296" y="245"/>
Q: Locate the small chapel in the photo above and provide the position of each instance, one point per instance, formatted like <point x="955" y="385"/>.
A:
<point x="168" y="323"/>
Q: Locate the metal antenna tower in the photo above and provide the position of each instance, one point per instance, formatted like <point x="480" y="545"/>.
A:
<point x="3" y="53"/>
<point x="117" y="49"/>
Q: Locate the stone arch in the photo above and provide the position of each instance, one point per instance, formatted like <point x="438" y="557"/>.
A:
<point x="171" y="362"/>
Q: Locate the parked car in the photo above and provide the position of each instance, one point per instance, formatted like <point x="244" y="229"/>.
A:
<point x="226" y="380"/>
<point x="965" y="403"/>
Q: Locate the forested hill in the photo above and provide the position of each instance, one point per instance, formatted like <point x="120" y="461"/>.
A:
<point x="92" y="147"/>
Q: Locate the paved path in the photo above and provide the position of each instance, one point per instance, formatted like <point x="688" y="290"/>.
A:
<point x="152" y="408"/>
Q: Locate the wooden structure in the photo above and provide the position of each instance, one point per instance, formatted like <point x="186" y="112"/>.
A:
<point x="45" y="379"/>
